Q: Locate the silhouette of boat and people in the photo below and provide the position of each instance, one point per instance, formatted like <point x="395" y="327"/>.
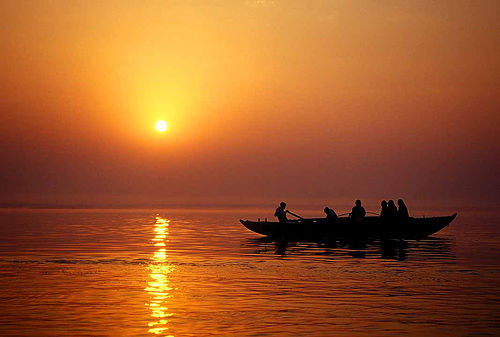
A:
<point x="360" y="231"/>
<point x="392" y="221"/>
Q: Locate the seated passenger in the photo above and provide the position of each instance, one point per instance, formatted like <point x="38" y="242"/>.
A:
<point x="330" y="214"/>
<point x="383" y="211"/>
<point x="392" y="210"/>
<point x="280" y="212"/>
<point x="358" y="212"/>
<point x="402" y="211"/>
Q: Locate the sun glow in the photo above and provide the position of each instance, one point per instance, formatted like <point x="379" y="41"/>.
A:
<point x="161" y="126"/>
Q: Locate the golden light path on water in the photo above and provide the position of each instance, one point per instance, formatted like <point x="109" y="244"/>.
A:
<point x="158" y="286"/>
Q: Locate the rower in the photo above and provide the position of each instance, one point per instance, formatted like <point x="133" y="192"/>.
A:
<point x="331" y="216"/>
<point x="358" y="212"/>
<point x="280" y="212"/>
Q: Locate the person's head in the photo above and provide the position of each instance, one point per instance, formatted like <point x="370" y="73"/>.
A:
<point x="282" y="204"/>
<point x="384" y="203"/>
<point x="400" y="202"/>
<point x="391" y="203"/>
<point x="326" y="210"/>
<point x="358" y="202"/>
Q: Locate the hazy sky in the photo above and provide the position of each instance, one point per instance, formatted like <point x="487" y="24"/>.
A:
<point x="265" y="100"/>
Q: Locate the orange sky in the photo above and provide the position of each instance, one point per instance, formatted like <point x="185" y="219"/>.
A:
<point x="265" y="100"/>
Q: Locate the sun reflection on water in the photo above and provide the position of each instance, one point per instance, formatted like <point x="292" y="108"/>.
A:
<point x="159" y="286"/>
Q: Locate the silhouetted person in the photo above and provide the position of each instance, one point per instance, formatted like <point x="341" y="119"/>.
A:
<point x="358" y="212"/>
<point x="280" y="212"/>
<point x="402" y="210"/>
<point x="330" y="214"/>
<point x="392" y="210"/>
<point x="383" y="210"/>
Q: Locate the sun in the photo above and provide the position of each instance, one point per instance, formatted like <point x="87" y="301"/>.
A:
<point x="161" y="126"/>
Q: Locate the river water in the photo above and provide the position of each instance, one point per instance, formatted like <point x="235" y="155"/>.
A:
<point x="201" y="273"/>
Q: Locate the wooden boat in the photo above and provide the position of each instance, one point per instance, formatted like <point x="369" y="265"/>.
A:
<point x="370" y="226"/>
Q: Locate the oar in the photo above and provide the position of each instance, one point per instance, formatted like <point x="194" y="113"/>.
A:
<point x="298" y="216"/>
<point x="366" y="212"/>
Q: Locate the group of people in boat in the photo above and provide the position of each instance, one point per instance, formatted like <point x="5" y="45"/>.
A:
<point x="358" y="212"/>
<point x="389" y="209"/>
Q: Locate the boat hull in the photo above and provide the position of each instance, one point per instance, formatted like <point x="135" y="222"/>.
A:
<point x="410" y="228"/>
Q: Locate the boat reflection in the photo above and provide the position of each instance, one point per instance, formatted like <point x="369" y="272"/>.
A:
<point x="429" y="248"/>
<point x="159" y="288"/>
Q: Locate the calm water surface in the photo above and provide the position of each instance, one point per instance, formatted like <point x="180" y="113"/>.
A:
<point x="184" y="272"/>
